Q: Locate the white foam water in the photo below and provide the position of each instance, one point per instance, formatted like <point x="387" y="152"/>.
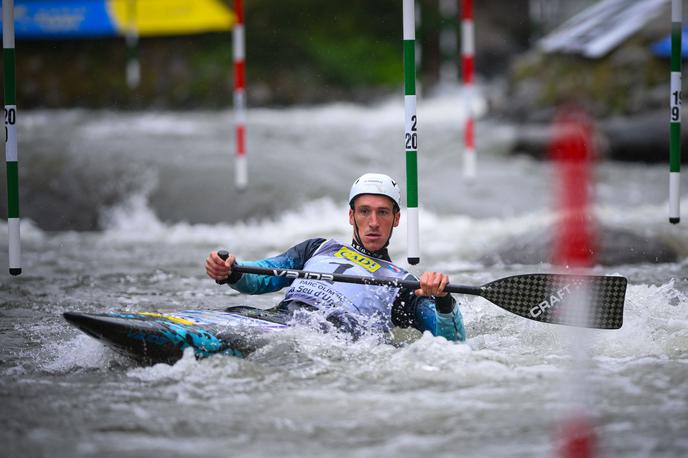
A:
<point x="305" y="392"/>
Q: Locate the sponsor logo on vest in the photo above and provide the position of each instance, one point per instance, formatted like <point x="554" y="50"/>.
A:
<point x="545" y="305"/>
<point x="297" y="274"/>
<point x="357" y="258"/>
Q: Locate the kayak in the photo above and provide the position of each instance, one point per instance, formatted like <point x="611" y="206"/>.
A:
<point x="151" y="337"/>
<point x="156" y="337"/>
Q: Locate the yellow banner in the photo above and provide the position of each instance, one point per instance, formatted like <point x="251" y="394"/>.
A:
<point x="171" y="17"/>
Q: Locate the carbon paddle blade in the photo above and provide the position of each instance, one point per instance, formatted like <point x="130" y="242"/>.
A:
<point x="573" y="300"/>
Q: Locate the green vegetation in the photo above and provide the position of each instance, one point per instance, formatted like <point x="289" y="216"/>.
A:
<point x="627" y="81"/>
<point x="297" y="51"/>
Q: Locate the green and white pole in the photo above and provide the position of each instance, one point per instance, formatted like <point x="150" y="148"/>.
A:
<point x="675" y="123"/>
<point x="410" y="132"/>
<point x="11" y="156"/>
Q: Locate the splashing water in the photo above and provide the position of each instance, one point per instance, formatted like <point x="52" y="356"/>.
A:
<point x="305" y="392"/>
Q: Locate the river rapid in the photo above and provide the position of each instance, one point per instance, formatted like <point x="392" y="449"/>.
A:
<point x="121" y="208"/>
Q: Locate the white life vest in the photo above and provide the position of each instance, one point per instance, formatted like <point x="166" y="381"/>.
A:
<point x="335" y="257"/>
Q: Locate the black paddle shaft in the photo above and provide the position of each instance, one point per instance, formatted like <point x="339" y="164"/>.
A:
<point x="293" y="274"/>
<point x="575" y="300"/>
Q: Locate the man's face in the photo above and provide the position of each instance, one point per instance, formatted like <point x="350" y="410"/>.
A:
<point x="375" y="217"/>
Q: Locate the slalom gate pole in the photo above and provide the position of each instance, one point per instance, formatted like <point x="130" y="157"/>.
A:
<point x="241" y="173"/>
<point x="132" y="39"/>
<point x="675" y="118"/>
<point x="467" y="69"/>
<point x="572" y="152"/>
<point x="11" y="155"/>
<point x="410" y="131"/>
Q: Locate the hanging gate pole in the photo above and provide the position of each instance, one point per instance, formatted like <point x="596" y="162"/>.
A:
<point x="11" y="156"/>
<point x="675" y="118"/>
<point x="467" y="68"/>
<point x="241" y="175"/>
<point x="410" y="131"/>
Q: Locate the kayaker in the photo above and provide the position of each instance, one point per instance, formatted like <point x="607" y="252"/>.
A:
<point x="374" y="212"/>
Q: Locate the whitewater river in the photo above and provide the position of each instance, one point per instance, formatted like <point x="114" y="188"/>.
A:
<point x="120" y="210"/>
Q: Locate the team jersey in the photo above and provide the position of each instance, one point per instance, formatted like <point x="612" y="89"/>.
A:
<point x="385" y="304"/>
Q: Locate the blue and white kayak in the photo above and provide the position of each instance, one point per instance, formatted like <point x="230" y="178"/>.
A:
<point x="162" y="337"/>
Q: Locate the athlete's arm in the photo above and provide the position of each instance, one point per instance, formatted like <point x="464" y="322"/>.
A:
<point x="439" y="315"/>
<point x="294" y="258"/>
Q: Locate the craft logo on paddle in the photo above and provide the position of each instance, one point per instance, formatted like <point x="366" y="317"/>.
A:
<point x="357" y="258"/>
<point x="554" y="299"/>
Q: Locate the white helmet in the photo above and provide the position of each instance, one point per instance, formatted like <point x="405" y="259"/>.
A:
<point x="378" y="184"/>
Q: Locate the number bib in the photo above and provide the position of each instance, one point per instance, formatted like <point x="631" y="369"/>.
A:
<point x="335" y="257"/>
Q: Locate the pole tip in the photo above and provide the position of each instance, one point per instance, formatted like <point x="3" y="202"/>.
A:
<point x="14" y="271"/>
<point x="413" y="261"/>
<point x="674" y="220"/>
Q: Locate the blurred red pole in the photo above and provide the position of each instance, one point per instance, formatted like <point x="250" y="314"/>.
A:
<point x="239" y="57"/>
<point x="467" y="71"/>
<point x="577" y="438"/>
<point x="572" y="153"/>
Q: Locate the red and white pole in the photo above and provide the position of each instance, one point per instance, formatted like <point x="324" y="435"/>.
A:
<point x="573" y="155"/>
<point x="467" y="68"/>
<point x="241" y="173"/>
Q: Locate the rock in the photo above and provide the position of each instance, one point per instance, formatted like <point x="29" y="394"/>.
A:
<point x="615" y="247"/>
<point x="643" y="137"/>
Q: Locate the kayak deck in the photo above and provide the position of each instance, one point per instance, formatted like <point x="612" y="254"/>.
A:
<point x="151" y="337"/>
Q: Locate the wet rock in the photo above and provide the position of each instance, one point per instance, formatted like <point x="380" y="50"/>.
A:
<point x="643" y="137"/>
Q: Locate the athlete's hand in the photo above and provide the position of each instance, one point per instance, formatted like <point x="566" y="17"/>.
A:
<point x="432" y="284"/>
<point x="217" y="268"/>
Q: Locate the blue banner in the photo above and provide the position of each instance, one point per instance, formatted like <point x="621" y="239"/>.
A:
<point x="105" y="18"/>
<point x="63" y="19"/>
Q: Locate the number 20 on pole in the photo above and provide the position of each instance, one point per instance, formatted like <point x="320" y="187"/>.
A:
<point x="10" y="120"/>
<point x="412" y="137"/>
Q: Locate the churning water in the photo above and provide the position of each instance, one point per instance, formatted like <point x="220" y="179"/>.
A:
<point x="155" y="192"/>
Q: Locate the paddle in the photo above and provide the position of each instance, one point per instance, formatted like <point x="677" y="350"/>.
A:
<point x="548" y="298"/>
